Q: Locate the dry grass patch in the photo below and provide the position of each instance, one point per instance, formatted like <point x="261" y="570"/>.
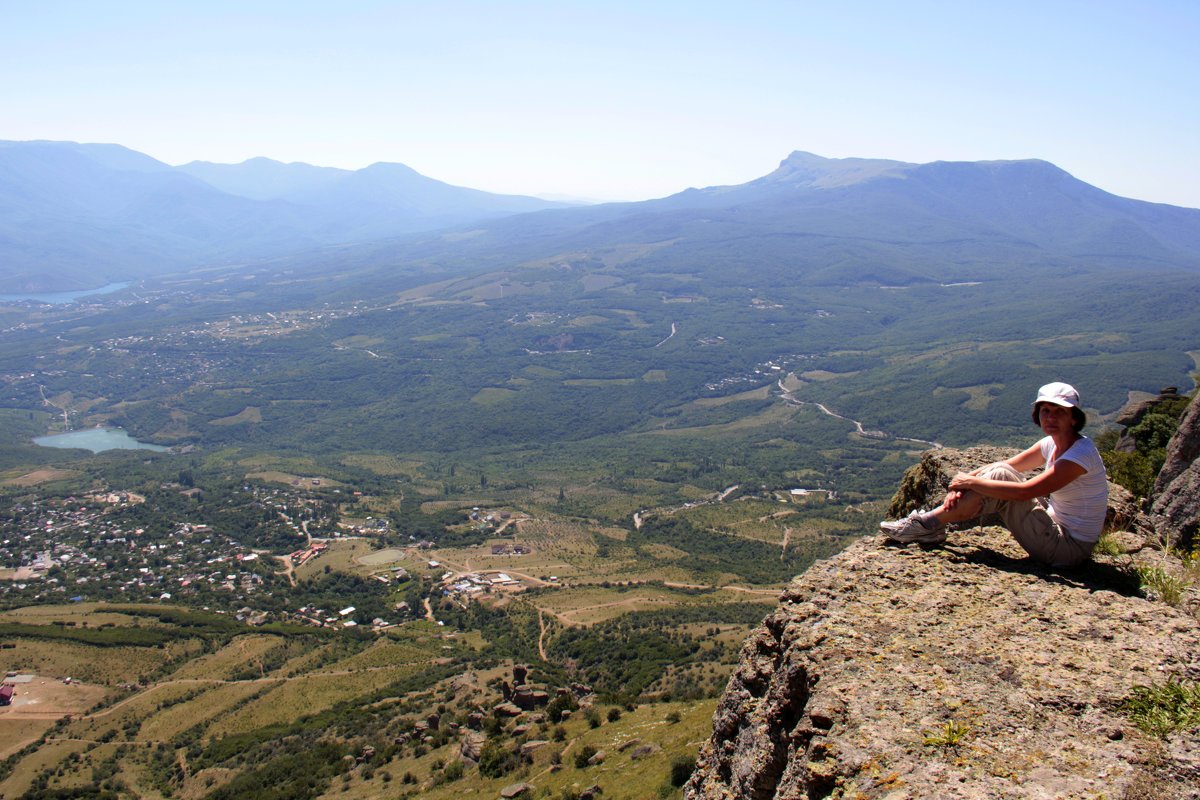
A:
<point x="251" y="414"/>
<point x="772" y="416"/>
<point x="587" y="320"/>
<point x="92" y="614"/>
<point x="215" y="701"/>
<point x="103" y="665"/>
<point x="137" y="707"/>
<point x="301" y="481"/>
<point x="594" y="382"/>
<point x="39" y="476"/>
<point x="24" y="773"/>
<point x="383" y="653"/>
<point x="978" y="397"/>
<point x="821" y="375"/>
<point x="388" y="466"/>
<point x="231" y="658"/>
<point x="389" y="556"/>
<point x="342" y="555"/>
<point x="301" y="696"/>
<point x="761" y="393"/>
<point x="16" y="732"/>
<point x="491" y="395"/>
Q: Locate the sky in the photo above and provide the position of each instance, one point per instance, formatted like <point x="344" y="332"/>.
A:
<point x="617" y="100"/>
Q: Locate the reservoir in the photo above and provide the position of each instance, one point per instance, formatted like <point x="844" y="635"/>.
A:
<point x="97" y="440"/>
<point x="57" y="298"/>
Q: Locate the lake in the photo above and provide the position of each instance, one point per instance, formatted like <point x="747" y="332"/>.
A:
<point x="97" y="440"/>
<point x="57" y="298"/>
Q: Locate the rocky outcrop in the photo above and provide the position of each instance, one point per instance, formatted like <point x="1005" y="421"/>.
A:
<point x="963" y="671"/>
<point x="1137" y="407"/>
<point x="1176" y="496"/>
<point x="924" y="486"/>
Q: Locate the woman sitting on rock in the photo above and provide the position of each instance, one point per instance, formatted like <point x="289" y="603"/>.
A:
<point x="1060" y="530"/>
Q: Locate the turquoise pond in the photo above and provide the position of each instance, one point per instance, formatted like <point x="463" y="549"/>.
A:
<point x="97" y="440"/>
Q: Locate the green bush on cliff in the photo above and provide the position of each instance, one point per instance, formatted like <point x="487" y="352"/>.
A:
<point x="1166" y="708"/>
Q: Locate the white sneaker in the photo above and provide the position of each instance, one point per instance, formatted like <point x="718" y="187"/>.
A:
<point x="912" y="529"/>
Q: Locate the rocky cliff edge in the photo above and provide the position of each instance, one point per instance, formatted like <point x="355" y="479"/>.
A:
<point x="963" y="671"/>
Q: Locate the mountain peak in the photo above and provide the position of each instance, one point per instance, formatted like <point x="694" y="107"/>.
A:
<point x="802" y="168"/>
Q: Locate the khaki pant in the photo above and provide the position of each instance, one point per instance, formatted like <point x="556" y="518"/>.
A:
<point x="1030" y="523"/>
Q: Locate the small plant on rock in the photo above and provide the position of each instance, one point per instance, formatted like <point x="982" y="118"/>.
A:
<point x="1166" y="708"/>
<point x="1157" y="583"/>
<point x="949" y="737"/>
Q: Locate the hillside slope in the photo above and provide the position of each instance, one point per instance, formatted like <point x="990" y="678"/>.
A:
<point x="840" y="222"/>
<point x="79" y="215"/>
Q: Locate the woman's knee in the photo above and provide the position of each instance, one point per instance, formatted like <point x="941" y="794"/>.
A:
<point x="1000" y="471"/>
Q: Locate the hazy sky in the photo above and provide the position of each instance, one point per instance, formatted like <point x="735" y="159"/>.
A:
<point x="613" y="99"/>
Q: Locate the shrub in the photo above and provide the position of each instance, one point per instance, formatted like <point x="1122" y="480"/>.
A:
<point x="496" y="760"/>
<point x="1108" y="546"/>
<point x="585" y="753"/>
<point x="1157" y="583"/>
<point x="1164" y="709"/>
<point x="682" y="768"/>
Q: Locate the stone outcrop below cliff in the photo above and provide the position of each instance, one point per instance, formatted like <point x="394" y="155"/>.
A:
<point x="964" y="671"/>
<point x="848" y="689"/>
<point x="1176" y="496"/>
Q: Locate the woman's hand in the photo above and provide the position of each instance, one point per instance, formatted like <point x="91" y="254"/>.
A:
<point x="962" y="482"/>
<point x="952" y="498"/>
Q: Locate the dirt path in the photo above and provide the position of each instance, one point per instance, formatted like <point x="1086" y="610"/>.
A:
<point x="787" y="536"/>
<point x="728" y="588"/>
<point x="289" y="570"/>
<point x="790" y="399"/>
<point x="672" y="333"/>
<point x="542" y="635"/>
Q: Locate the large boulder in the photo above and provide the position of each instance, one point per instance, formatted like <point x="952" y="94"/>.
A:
<point x="1176" y="495"/>
<point x="965" y="671"/>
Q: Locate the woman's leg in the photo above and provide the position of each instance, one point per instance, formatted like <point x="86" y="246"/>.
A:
<point x="971" y="504"/>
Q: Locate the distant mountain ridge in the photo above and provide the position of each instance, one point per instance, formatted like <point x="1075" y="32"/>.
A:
<point x="74" y="215"/>
<point x="837" y="222"/>
<point x="79" y="215"/>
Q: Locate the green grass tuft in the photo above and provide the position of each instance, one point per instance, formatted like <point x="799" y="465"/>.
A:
<point x="949" y="737"/>
<point x="1157" y="583"/>
<point x="1166" y="708"/>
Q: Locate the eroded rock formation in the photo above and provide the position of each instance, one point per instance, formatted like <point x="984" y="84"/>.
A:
<point x="1176" y="497"/>
<point x="963" y="671"/>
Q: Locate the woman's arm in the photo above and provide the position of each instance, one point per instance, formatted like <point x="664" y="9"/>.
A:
<point x="1021" y="462"/>
<point x="1055" y="477"/>
<point x="1027" y="460"/>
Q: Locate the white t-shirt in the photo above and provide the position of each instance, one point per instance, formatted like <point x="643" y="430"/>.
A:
<point x="1080" y="506"/>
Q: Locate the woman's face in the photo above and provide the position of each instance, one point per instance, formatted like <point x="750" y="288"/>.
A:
<point x="1054" y="419"/>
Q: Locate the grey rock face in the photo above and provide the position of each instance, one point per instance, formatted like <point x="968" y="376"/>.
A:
<point x="966" y="671"/>
<point x="1177" y="489"/>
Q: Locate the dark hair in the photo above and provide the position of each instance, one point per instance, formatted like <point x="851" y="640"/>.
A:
<point x="1078" y="418"/>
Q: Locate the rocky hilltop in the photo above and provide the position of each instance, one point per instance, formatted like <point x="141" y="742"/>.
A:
<point x="964" y="671"/>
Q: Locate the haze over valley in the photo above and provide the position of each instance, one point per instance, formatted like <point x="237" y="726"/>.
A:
<point x="443" y="401"/>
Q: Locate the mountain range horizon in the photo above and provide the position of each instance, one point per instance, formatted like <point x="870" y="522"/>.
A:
<point x="76" y="216"/>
